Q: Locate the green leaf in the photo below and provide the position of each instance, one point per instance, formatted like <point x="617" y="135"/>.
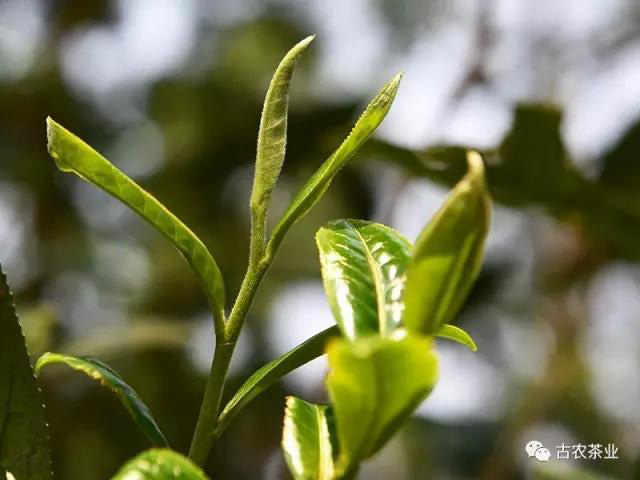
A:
<point x="374" y="384"/>
<point x="71" y="154"/>
<point x="24" y="438"/>
<point x="457" y="335"/>
<point x="160" y="464"/>
<point x="448" y="254"/>
<point x="313" y="190"/>
<point x="363" y="269"/>
<point x="109" y="378"/>
<point x="272" y="136"/>
<point x="307" y="440"/>
<point x="273" y="371"/>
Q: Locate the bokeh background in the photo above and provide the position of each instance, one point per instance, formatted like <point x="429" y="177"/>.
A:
<point x="171" y="92"/>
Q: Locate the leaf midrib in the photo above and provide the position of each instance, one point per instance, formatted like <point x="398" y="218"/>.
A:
<point x="377" y="281"/>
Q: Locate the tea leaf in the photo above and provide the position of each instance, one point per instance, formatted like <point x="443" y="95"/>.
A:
<point x="448" y="254"/>
<point x="273" y="371"/>
<point x="374" y="384"/>
<point x="160" y="464"/>
<point x="71" y="154"/>
<point x="306" y="440"/>
<point x="313" y="190"/>
<point x="24" y="438"/>
<point x="458" y="335"/>
<point x="109" y="378"/>
<point x="363" y="268"/>
<point x="272" y="136"/>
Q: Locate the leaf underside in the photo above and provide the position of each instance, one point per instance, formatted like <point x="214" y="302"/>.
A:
<point x="374" y="384"/>
<point x="160" y="464"/>
<point x="109" y="378"/>
<point x="71" y="154"/>
<point x="24" y="439"/>
<point x="363" y="269"/>
<point x="272" y="135"/>
<point x="307" y="440"/>
<point x="273" y="371"/>
<point x="448" y="254"/>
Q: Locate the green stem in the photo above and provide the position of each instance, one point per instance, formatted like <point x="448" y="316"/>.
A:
<point x="258" y="266"/>
<point x="203" y="438"/>
<point x="243" y="302"/>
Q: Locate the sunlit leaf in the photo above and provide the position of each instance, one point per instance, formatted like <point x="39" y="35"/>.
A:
<point x="448" y="254"/>
<point x="272" y="137"/>
<point x="457" y="335"/>
<point x="374" y="384"/>
<point x="160" y="464"/>
<point x="307" y="440"/>
<point x="104" y="374"/>
<point x="24" y="439"/>
<point x="363" y="268"/>
<point x="273" y="371"/>
<point x="71" y="154"/>
<point x="313" y="190"/>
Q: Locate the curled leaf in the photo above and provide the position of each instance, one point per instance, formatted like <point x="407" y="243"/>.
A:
<point x="109" y="378"/>
<point x="272" y="136"/>
<point x="448" y="254"/>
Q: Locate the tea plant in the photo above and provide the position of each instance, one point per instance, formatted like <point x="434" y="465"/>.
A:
<point x="390" y="299"/>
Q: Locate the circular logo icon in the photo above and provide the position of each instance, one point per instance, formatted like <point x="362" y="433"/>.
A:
<point x="532" y="446"/>
<point x="542" y="454"/>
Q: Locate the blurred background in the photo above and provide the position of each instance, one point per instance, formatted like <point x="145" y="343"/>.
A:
<point x="171" y="92"/>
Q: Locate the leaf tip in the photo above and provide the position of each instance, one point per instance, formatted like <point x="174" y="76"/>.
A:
<point x="471" y="344"/>
<point x="383" y="100"/>
<point x="457" y="334"/>
<point x="50" y="132"/>
<point x="391" y="88"/>
<point x="476" y="171"/>
<point x="475" y="163"/>
<point x="301" y="46"/>
<point x="397" y="78"/>
<point x="307" y="40"/>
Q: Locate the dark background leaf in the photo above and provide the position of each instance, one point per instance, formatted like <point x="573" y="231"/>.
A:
<point x="24" y="437"/>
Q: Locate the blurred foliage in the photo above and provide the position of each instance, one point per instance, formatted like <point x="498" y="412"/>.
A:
<point x="531" y="168"/>
<point x="207" y="113"/>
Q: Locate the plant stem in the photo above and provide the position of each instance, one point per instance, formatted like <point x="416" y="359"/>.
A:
<point x="243" y="302"/>
<point x="203" y="438"/>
